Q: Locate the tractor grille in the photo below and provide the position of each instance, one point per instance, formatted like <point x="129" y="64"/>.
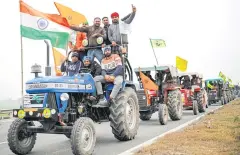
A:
<point x="33" y="100"/>
<point x="141" y="99"/>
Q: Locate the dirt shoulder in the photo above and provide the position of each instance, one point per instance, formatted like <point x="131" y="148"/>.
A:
<point x="218" y="133"/>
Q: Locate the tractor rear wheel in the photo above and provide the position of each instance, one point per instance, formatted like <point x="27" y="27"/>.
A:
<point x="200" y="102"/>
<point x="83" y="136"/>
<point x="19" y="140"/>
<point x="124" y="115"/>
<point x="163" y="114"/>
<point x="175" y="105"/>
<point x="195" y="107"/>
<point x="145" y="117"/>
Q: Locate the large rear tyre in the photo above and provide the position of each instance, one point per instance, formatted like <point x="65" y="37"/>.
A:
<point x="200" y="102"/>
<point x="124" y="115"/>
<point x="20" y="141"/>
<point x="83" y="136"/>
<point x="145" y="117"/>
<point x="163" y="114"/>
<point x="175" y="105"/>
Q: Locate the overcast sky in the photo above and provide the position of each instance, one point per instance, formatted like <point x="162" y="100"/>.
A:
<point x="205" y="32"/>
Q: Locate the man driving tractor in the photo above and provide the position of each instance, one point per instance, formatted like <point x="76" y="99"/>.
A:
<point x="186" y="83"/>
<point x="112" y="71"/>
<point x="92" y="65"/>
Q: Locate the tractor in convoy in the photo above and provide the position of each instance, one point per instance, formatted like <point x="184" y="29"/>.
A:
<point x="193" y="94"/>
<point x="62" y="104"/>
<point x="188" y="97"/>
<point x="215" y="90"/>
<point x="166" y="100"/>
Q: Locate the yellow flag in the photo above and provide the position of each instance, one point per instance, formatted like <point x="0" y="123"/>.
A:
<point x="73" y="17"/>
<point x="221" y="75"/>
<point x="58" y="60"/>
<point x="157" y="43"/>
<point x="181" y="64"/>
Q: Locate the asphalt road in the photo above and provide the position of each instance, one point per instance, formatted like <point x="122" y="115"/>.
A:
<point x="47" y="144"/>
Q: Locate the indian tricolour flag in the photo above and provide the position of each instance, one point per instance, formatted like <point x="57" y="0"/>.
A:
<point x="41" y="26"/>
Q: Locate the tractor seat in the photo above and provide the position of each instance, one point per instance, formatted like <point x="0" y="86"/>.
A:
<point x="109" y="86"/>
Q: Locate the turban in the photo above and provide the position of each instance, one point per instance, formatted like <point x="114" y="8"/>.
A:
<point x="115" y="14"/>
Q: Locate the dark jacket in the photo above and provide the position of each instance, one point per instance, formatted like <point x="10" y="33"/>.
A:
<point x="114" y="30"/>
<point x="91" y="30"/>
<point x="95" y="68"/>
<point x="73" y="68"/>
<point x="106" y="41"/>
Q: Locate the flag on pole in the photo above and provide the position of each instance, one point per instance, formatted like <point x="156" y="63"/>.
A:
<point x="148" y="84"/>
<point x="157" y="43"/>
<point x="73" y="17"/>
<point x="37" y="25"/>
<point x="221" y="75"/>
<point x="181" y="64"/>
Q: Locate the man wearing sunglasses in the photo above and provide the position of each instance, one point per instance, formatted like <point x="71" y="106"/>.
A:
<point x="73" y="66"/>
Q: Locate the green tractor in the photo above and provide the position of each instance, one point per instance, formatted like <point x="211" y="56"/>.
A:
<point x="217" y="91"/>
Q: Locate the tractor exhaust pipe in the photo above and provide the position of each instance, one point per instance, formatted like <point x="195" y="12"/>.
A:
<point x="48" y="67"/>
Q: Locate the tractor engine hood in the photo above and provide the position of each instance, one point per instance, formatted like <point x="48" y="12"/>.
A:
<point x="82" y="83"/>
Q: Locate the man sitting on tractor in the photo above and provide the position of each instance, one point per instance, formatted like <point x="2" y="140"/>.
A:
<point x="112" y="71"/>
<point x="186" y="83"/>
<point x="73" y="66"/>
<point x="93" y="66"/>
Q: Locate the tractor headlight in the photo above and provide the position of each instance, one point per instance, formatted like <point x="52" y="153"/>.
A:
<point x="64" y="97"/>
<point x="21" y="114"/>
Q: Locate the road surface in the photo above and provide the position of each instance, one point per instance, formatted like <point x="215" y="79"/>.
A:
<point x="106" y="144"/>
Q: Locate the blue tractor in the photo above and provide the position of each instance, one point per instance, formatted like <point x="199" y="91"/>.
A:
<point x="63" y="105"/>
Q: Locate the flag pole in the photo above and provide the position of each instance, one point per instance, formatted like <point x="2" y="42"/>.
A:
<point x="22" y="92"/>
<point x="153" y="51"/>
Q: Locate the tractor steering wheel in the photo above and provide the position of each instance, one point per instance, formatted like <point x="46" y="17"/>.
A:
<point x="85" y="70"/>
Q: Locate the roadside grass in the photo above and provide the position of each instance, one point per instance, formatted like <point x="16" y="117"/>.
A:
<point x="218" y="133"/>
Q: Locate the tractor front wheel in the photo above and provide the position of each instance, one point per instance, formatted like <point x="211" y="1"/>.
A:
<point x="145" y="117"/>
<point x="19" y="140"/>
<point x="83" y="136"/>
<point x="195" y="107"/>
<point x="163" y="114"/>
<point x="124" y="115"/>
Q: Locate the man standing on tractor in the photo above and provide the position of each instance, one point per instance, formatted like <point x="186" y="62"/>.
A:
<point x="73" y="66"/>
<point x="114" y="30"/>
<point x="93" y="32"/>
<point x="112" y="71"/>
<point x="77" y="46"/>
<point x="92" y="65"/>
<point x="106" y="24"/>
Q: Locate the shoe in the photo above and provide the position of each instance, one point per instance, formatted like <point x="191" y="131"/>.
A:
<point x="102" y="103"/>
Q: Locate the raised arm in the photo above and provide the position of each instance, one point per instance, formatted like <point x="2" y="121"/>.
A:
<point x="129" y="18"/>
<point x="80" y="29"/>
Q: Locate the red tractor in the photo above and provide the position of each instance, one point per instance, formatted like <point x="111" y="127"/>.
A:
<point x="193" y="94"/>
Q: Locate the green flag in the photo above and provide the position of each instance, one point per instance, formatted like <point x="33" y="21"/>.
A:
<point x="157" y="43"/>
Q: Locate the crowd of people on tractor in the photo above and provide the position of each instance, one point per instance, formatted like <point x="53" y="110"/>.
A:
<point x="110" y="67"/>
